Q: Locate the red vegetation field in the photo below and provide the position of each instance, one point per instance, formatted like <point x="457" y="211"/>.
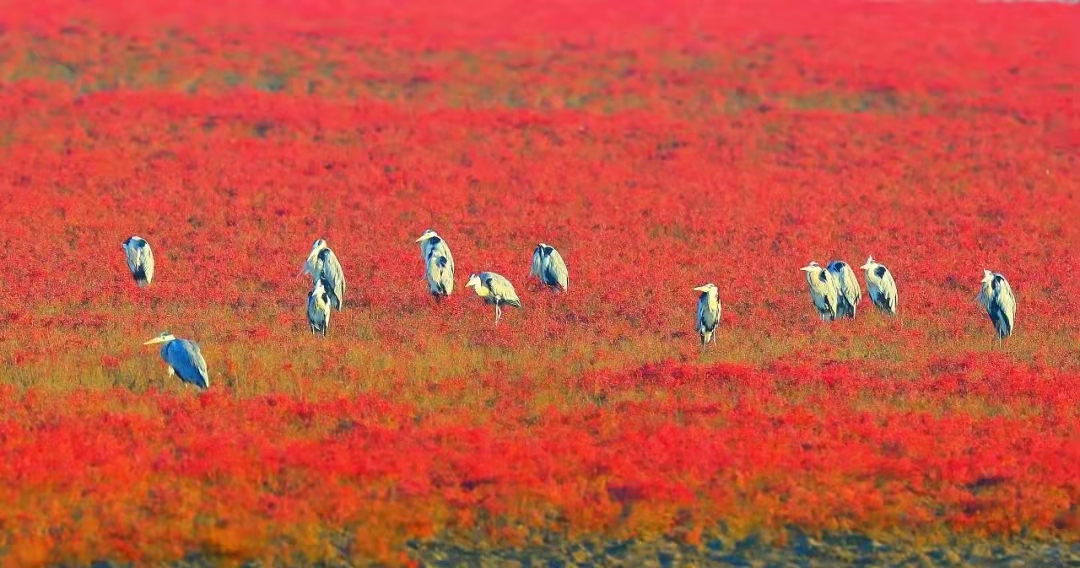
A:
<point x="658" y="146"/>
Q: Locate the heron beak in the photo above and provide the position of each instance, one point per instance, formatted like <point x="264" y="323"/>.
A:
<point x="152" y="341"/>
<point x="865" y="266"/>
<point x="700" y="289"/>
<point x="419" y="239"/>
<point x="306" y="262"/>
<point x="807" y="268"/>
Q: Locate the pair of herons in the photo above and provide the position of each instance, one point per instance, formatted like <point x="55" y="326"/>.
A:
<point x="835" y="293"/>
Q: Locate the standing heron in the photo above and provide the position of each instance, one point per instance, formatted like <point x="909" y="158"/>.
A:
<point x="322" y="264"/>
<point x="549" y="268"/>
<point x="140" y="260"/>
<point x="438" y="264"/>
<point x="494" y="289"/>
<point x="824" y="291"/>
<point x="997" y="297"/>
<point x="880" y="286"/>
<point x="848" y="287"/>
<point x="183" y="358"/>
<point x="708" y="313"/>
<point x="318" y="308"/>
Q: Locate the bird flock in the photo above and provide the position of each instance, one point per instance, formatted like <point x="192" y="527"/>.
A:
<point x="834" y="289"/>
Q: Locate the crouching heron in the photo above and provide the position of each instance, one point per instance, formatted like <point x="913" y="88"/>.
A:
<point x="880" y="286"/>
<point x="549" y="268"/>
<point x="140" y="260"/>
<point x="848" y="292"/>
<point x="438" y="264"/>
<point x="183" y="358"/>
<point x="824" y="292"/>
<point x="708" y="313"/>
<point x="997" y="298"/>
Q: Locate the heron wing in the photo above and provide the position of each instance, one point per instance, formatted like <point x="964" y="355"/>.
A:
<point x="186" y="359"/>
<point x="501" y="288"/>
<point x="333" y="275"/>
<point x="131" y="256"/>
<point x="537" y="263"/>
<point x="440" y="274"/>
<point x="1006" y="301"/>
<point x="850" y="285"/>
<point x="448" y="269"/>
<point x="888" y="289"/>
<point x="707" y="315"/>
<point x="444" y="250"/>
<point x="556" y="269"/>
<point x="147" y="257"/>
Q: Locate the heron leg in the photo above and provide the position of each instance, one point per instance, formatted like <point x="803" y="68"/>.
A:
<point x="498" y="313"/>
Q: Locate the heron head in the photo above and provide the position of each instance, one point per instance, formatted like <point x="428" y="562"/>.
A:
<point x="474" y="281"/>
<point x="427" y="235"/>
<point x="707" y="288"/>
<point x="164" y="337"/>
<point x="317" y="247"/>
<point x="869" y="263"/>
<point x="987" y="276"/>
<point x="812" y="267"/>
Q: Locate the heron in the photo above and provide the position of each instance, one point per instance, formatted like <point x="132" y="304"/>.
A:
<point x="183" y="358"/>
<point x="708" y="313"/>
<point x="997" y="297"/>
<point x="549" y="268"/>
<point x="824" y="291"/>
<point x="318" y="308"/>
<point x="848" y="287"/>
<point x="140" y="260"/>
<point x="438" y="264"/>
<point x="880" y="286"/>
<point x="322" y="264"/>
<point x="494" y="289"/>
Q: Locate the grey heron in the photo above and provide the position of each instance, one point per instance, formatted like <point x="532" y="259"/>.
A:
<point x="880" y="286"/>
<point x="438" y="264"/>
<point x="140" y="260"/>
<point x="708" y="313"/>
<point x="322" y="264"/>
<point x="824" y="292"/>
<point x="183" y="358"/>
<point x="847" y="300"/>
<point x="997" y="298"/>
<point x="318" y="308"/>
<point x="548" y="266"/>
<point x="494" y="289"/>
